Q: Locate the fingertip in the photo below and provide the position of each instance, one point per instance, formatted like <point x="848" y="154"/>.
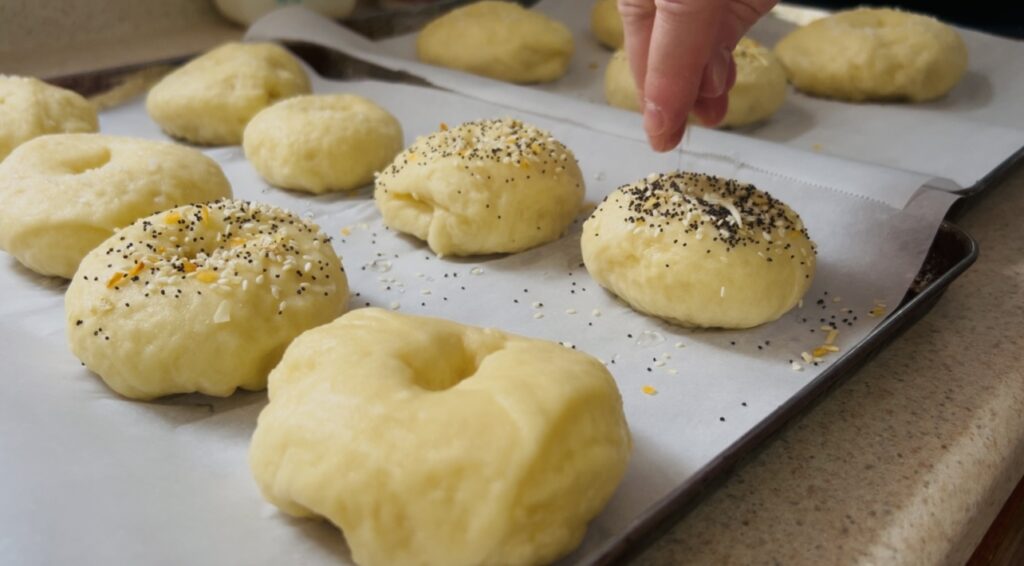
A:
<point x="711" y="111"/>
<point x="665" y="143"/>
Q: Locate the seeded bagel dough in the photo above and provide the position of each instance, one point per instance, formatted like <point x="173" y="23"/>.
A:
<point x="699" y="250"/>
<point x="201" y="298"/>
<point x="489" y="186"/>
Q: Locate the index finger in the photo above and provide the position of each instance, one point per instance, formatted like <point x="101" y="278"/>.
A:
<point x="682" y="39"/>
<point x="637" y="23"/>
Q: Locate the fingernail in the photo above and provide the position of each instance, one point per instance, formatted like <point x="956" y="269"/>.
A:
<point x="718" y="73"/>
<point x="655" y="123"/>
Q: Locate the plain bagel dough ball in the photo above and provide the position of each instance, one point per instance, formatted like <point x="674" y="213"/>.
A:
<point x="30" y="108"/>
<point x="321" y="143"/>
<point x="606" y="24"/>
<point x="201" y="298"/>
<point x="759" y="90"/>
<point x="500" y="40"/>
<point x="874" y="54"/>
<point x="63" y="194"/>
<point x="619" y="85"/>
<point x="245" y="12"/>
<point x="490" y="186"/>
<point x="699" y="250"/>
<point x="210" y="99"/>
<point x="429" y="442"/>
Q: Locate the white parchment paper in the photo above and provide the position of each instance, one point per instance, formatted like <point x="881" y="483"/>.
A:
<point x="89" y="478"/>
<point x="958" y="139"/>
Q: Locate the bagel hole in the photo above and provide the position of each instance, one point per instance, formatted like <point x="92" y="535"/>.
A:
<point x="86" y="160"/>
<point x="448" y="364"/>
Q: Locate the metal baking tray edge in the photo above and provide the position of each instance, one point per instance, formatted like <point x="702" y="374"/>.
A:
<point x="952" y="252"/>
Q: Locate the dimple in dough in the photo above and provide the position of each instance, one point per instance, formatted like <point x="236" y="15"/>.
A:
<point x="322" y="143"/>
<point x="500" y="40"/>
<point x="699" y="251"/>
<point x="606" y="23"/>
<point x="489" y="186"/>
<point x="874" y="54"/>
<point x="759" y="90"/>
<point x="201" y="298"/>
<point x="63" y="194"/>
<point x="429" y="442"/>
<point x="210" y="99"/>
<point x="30" y="108"/>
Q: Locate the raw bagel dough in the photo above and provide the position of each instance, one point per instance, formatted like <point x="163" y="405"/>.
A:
<point x="63" y="194"/>
<point x="619" y="86"/>
<point x="30" y="108"/>
<point x="606" y="23"/>
<point x="490" y="186"/>
<point x="430" y="442"/>
<point x="874" y="54"/>
<point x="245" y="12"/>
<point x="501" y="40"/>
<point x="201" y="298"/>
<point x="699" y="250"/>
<point x="210" y="99"/>
<point x="759" y="91"/>
<point x="321" y="143"/>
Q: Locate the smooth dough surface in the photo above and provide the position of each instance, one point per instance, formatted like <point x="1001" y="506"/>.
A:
<point x="30" y="108"/>
<point x="63" y="194"/>
<point x="201" y="298"/>
<point x="490" y="186"/>
<point x="699" y="250"/>
<point x="759" y="90"/>
<point x="606" y="23"/>
<point x="429" y="442"/>
<point x="322" y="143"/>
<point x="500" y="40"/>
<point x="874" y="54"/>
<point x="210" y="99"/>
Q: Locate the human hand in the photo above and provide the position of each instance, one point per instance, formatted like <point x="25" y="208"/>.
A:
<point x="680" y="52"/>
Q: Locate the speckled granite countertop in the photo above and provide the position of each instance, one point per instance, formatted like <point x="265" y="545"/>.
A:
<point x="910" y="460"/>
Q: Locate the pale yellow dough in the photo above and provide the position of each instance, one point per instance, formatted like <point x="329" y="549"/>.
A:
<point x="432" y="443"/>
<point x="30" y="108"/>
<point x="201" y="298"/>
<point x="63" y="194"/>
<point x="606" y="23"/>
<point x="322" y="143"/>
<point x="700" y="251"/>
<point x="759" y="90"/>
<point x="501" y="40"/>
<point x="490" y="186"/>
<point x="210" y="99"/>
<point x="874" y="54"/>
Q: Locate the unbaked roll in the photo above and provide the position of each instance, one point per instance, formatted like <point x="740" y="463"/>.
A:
<point x="699" y="250"/>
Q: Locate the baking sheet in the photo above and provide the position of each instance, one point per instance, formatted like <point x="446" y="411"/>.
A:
<point x="958" y="139"/>
<point x="90" y="478"/>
